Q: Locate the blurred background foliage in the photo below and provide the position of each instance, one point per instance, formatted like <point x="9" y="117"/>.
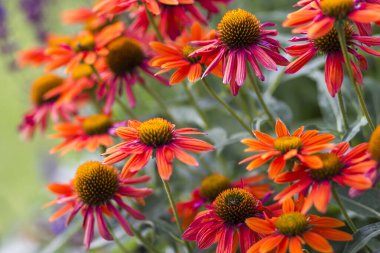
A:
<point x="27" y="167"/>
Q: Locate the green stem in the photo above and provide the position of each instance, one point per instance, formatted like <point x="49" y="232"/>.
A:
<point x="343" y="46"/>
<point x="158" y="99"/>
<point x="260" y="97"/>
<point x="343" y="110"/>
<point x="195" y="105"/>
<point x="175" y="211"/>
<point x="276" y="82"/>
<point x="226" y="106"/>
<point x="116" y="240"/>
<point x="145" y="243"/>
<point x="154" y="25"/>
<point x="126" y="109"/>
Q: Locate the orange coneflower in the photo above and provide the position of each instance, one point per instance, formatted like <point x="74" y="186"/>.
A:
<point x="345" y="168"/>
<point x="175" y="56"/>
<point x="318" y="17"/>
<point x="97" y="190"/>
<point x="92" y="22"/>
<point x="300" y="145"/>
<point x="88" y="132"/>
<point x="45" y="106"/>
<point x="159" y="135"/>
<point x="211" y="187"/>
<point x="223" y="223"/>
<point x="292" y="229"/>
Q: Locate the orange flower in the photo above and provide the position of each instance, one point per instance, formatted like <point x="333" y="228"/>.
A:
<point x="96" y="191"/>
<point x="317" y="18"/>
<point x="211" y="187"/>
<point x="292" y="229"/>
<point x="86" y="133"/>
<point x="159" y="135"/>
<point x="347" y="168"/>
<point x="85" y="16"/>
<point x="175" y="56"/>
<point x="300" y="145"/>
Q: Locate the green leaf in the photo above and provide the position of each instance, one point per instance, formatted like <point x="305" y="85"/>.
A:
<point x="365" y="205"/>
<point x="362" y="237"/>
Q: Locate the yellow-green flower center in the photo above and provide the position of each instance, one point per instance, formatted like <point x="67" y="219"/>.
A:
<point x="97" y="124"/>
<point x="239" y="28"/>
<point x="96" y="183"/>
<point x="235" y="205"/>
<point x="155" y="132"/>
<point x="374" y="144"/>
<point x="287" y="143"/>
<point x="42" y="86"/>
<point x="292" y="224"/>
<point x="331" y="167"/>
<point x="213" y="185"/>
<point x="82" y="70"/>
<point x="125" y="54"/>
<point x="84" y="43"/>
<point x="187" y="50"/>
<point x="337" y="8"/>
<point x="330" y="42"/>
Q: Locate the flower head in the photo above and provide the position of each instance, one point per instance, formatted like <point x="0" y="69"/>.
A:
<point x="328" y="45"/>
<point x="241" y="38"/>
<point x="211" y="186"/>
<point x="347" y="168"/>
<point x="176" y="56"/>
<point x="300" y="145"/>
<point x="374" y="144"/>
<point x="159" y="135"/>
<point x="293" y="228"/>
<point x="223" y="223"/>
<point x="86" y="133"/>
<point x="96" y="190"/>
<point x="317" y="18"/>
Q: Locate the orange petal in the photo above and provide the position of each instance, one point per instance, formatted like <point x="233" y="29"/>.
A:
<point x="317" y="242"/>
<point x="260" y="226"/>
<point x="281" y="129"/>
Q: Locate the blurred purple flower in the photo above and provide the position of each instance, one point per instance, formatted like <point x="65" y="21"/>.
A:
<point x="33" y="10"/>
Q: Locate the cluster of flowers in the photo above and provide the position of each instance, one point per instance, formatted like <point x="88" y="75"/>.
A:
<point x="109" y="56"/>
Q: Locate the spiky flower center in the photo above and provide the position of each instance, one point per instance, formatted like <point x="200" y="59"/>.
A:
<point x="292" y="224"/>
<point x="187" y="50"/>
<point x="331" y="167"/>
<point x="155" y="132"/>
<point x="84" y="43"/>
<point x="213" y="185"/>
<point x="96" y="183"/>
<point x="42" y="86"/>
<point x="80" y="71"/>
<point x="239" y="28"/>
<point x="330" y="42"/>
<point x="374" y="144"/>
<point x="337" y="8"/>
<point x="287" y="143"/>
<point x="125" y="54"/>
<point x="235" y="205"/>
<point x="97" y="124"/>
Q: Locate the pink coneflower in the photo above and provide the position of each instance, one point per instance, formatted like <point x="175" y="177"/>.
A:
<point x="97" y="190"/>
<point x="45" y="107"/>
<point x="317" y="18"/>
<point x="329" y="45"/>
<point x="241" y="38"/>
<point x="141" y="139"/>
<point x="211" y="5"/>
<point x="345" y="168"/>
<point x="223" y="223"/>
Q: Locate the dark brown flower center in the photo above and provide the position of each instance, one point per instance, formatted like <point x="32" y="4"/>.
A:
<point x="331" y="167"/>
<point x="155" y="132"/>
<point x="187" y="50"/>
<point x="287" y="143"/>
<point x="213" y="185"/>
<point x="97" y="124"/>
<point x="42" y="86"/>
<point x="330" y="42"/>
<point x="84" y="43"/>
<point x="96" y="183"/>
<point x="239" y="28"/>
<point x="337" y="8"/>
<point x="125" y="54"/>
<point x="292" y="224"/>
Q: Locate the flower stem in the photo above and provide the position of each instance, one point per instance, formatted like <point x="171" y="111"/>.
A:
<point x="175" y="211"/>
<point x="195" y="105"/>
<point x="154" y="25"/>
<point x="145" y="243"/>
<point x="226" y="106"/>
<point x="126" y="109"/>
<point x="343" y="46"/>
<point x="260" y="97"/>
<point x="158" y="99"/>
<point x="116" y="240"/>
<point x="343" y="110"/>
